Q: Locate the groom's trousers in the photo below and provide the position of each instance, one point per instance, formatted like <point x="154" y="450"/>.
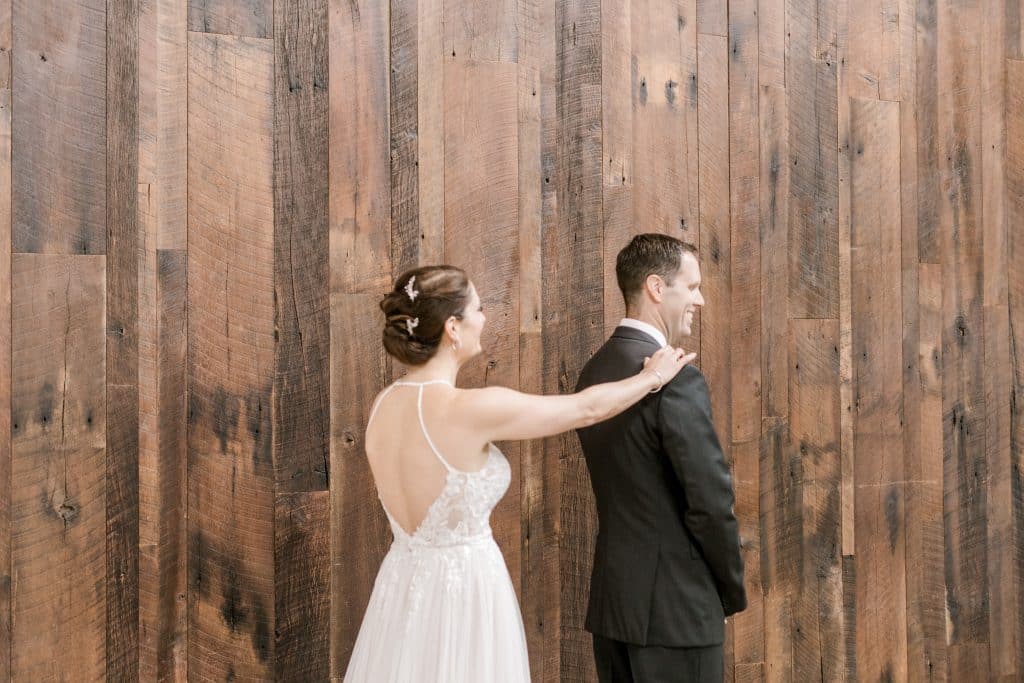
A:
<point x="619" y="662"/>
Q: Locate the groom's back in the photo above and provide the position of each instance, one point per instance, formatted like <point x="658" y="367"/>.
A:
<point x="649" y="585"/>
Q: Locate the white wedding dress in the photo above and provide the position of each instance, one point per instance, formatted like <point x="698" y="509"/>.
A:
<point x="443" y="608"/>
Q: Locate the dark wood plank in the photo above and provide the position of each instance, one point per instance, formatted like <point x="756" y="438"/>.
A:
<point x="926" y="106"/>
<point x="664" y="117"/>
<point x="163" y="458"/>
<point x="813" y="146"/>
<point x="877" y="390"/>
<point x="360" y="172"/>
<point x="430" y="130"/>
<point x="715" y="233"/>
<point x="252" y="18"/>
<point x="781" y="484"/>
<point x="122" y="349"/>
<point x="5" y="347"/>
<point x="59" y="163"/>
<point x="302" y="578"/>
<point x="573" y="308"/>
<point x="965" y="470"/>
<point x="301" y="248"/>
<point x="539" y="586"/>
<point x="405" y="187"/>
<point x="359" y="529"/>
<point x="617" y="147"/>
<point x="748" y="626"/>
<point x="744" y="216"/>
<point x="814" y="430"/>
<point x="1015" y="300"/>
<point x="230" y="357"/>
<point x="774" y="233"/>
<point x="57" y="465"/>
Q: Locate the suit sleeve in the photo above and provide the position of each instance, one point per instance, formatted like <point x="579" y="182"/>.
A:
<point x="689" y="438"/>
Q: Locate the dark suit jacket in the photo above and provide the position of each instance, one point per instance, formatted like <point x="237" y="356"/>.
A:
<point x="667" y="565"/>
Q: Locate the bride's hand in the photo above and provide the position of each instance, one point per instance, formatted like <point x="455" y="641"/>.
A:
<point x="666" y="364"/>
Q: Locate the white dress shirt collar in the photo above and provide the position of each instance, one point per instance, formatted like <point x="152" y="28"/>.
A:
<point x="650" y="329"/>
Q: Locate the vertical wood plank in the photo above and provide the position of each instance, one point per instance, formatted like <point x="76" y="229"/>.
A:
<point x="926" y="608"/>
<point x="961" y="249"/>
<point x="926" y="106"/>
<point x="404" y="108"/>
<point x="59" y="165"/>
<point x="771" y="43"/>
<point x="163" y="457"/>
<point x="813" y="135"/>
<point x="230" y="357"/>
<point x="873" y="54"/>
<point x="574" y="310"/>
<point x="481" y="30"/>
<point x="664" y="116"/>
<point x="122" y="382"/>
<point x="302" y="577"/>
<point x="1015" y="299"/>
<point x="250" y="18"/>
<point x="360" y="172"/>
<point x="877" y="390"/>
<point x="359" y="530"/>
<point x="301" y="447"/>
<point x="6" y="39"/>
<point x="58" y="466"/>
<point x="430" y="59"/>
<point x="539" y="585"/>
<point x="744" y="214"/>
<point x="715" y="231"/>
<point x="814" y="429"/>
<point x="482" y="219"/>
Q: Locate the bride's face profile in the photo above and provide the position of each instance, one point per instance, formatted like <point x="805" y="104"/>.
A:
<point x="469" y="329"/>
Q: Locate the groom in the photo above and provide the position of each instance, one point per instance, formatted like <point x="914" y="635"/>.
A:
<point x="667" y="565"/>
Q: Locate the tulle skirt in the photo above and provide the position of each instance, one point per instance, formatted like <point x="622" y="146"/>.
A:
<point x="441" y="614"/>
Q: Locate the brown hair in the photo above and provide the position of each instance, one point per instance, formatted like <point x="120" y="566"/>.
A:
<point x="416" y="313"/>
<point x="649" y="254"/>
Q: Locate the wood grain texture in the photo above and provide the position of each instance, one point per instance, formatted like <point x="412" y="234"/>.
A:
<point x="302" y="584"/>
<point x="301" y="447"/>
<point x="573" y="310"/>
<point x="163" y="458"/>
<point x="122" y="348"/>
<point x="481" y="30"/>
<point x="59" y="167"/>
<point x="430" y="58"/>
<point x="539" y="571"/>
<point x="1015" y="300"/>
<point x="715" y="231"/>
<point x="813" y="146"/>
<point x="251" y="18"/>
<point x="230" y="357"/>
<point x="877" y="366"/>
<point x="6" y="655"/>
<point x="481" y="224"/>
<point x="359" y="139"/>
<point x="960" y="244"/>
<point x="359" y="529"/>
<point x="405" y="187"/>
<point x="58" y="457"/>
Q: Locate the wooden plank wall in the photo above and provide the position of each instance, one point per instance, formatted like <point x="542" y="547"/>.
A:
<point x="201" y="202"/>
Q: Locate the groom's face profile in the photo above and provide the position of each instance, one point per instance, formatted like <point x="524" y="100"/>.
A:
<point x="681" y="299"/>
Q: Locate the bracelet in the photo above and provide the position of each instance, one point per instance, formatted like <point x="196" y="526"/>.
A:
<point x="661" y="382"/>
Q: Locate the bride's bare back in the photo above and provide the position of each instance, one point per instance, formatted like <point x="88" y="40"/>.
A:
<point x="408" y="474"/>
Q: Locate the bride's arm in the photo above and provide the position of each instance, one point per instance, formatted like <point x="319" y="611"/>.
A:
<point x="507" y="415"/>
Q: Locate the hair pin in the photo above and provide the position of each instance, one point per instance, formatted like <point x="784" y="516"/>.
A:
<point x="409" y="289"/>
<point x="411" y="324"/>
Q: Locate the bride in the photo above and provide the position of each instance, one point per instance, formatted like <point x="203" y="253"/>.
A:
<point x="443" y="607"/>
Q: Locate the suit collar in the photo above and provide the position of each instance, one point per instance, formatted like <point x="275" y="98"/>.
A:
<point x="633" y="334"/>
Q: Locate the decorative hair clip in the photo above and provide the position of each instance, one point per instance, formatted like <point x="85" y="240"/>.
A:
<point x="411" y="325"/>
<point x="409" y="289"/>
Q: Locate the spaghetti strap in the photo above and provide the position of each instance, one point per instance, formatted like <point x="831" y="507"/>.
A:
<point x="426" y="435"/>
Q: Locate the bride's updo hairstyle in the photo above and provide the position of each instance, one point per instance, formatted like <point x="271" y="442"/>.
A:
<point x="417" y="308"/>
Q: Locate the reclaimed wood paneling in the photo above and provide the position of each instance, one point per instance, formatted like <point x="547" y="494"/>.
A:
<point x="230" y="357"/>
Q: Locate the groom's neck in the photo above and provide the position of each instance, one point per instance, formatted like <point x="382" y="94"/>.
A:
<point x="651" y="317"/>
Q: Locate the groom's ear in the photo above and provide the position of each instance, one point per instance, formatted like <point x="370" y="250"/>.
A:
<point x="655" y="287"/>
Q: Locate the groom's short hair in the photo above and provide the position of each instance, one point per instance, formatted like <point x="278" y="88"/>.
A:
<point x="649" y="254"/>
